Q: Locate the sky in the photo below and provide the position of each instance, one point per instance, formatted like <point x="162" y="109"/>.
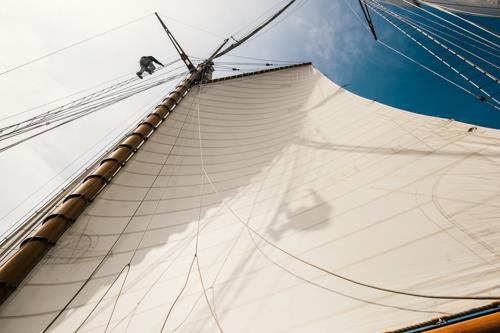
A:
<point x="325" y="32"/>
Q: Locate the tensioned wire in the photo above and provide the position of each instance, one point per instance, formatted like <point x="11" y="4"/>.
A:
<point x="443" y="46"/>
<point x="61" y="111"/>
<point x="196" y="255"/>
<point x="451" y="23"/>
<point x="440" y="34"/>
<point x="117" y="97"/>
<point x="417" y="62"/>
<point x="447" y="11"/>
<point x="298" y="5"/>
<point x="80" y="107"/>
<point x="472" y="39"/>
<point x="437" y="56"/>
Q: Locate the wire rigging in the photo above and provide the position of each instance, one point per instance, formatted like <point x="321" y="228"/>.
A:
<point x="451" y="23"/>
<point x="383" y="12"/>
<point x="445" y="10"/>
<point x="86" y="105"/>
<point x="493" y="51"/>
<point x="439" y="34"/>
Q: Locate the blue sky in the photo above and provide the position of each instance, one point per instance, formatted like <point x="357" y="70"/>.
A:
<point x="325" y="32"/>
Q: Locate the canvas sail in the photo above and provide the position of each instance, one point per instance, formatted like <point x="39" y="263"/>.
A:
<point x="242" y="210"/>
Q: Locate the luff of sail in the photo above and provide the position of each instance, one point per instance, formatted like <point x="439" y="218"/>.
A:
<point x="246" y="208"/>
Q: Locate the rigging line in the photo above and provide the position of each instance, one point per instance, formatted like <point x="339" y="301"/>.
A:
<point x="127" y="266"/>
<point x="179" y="294"/>
<point x="221" y="63"/>
<point x="202" y="160"/>
<point x="189" y="114"/>
<point x="342" y="277"/>
<point x="451" y="23"/>
<point x="453" y="30"/>
<point x="311" y="281"/>
<point x="415" y="25"/>
<point x="193" y="27"/>
<point x="85" y="113"/>
<point x="75" y="44"/>
<point x="259" y="28"/>
<point x="260" y="59"/>
<point x="42" y="119"/>
<point x="73" y="94"/>
<point x="254" y="22"/>
<point x="431" y="71"/>
<point x="460" y="73"/>
<point x="78" y="102"/>
<point x="297" y="7"/>
<point x="75" y="117"/>
<point x="57" y="113"/>
<point x="439" y="34"/>
<point x="446" y="10"/>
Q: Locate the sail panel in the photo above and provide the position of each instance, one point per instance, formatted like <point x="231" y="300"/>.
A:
<point x="281" y="183"/>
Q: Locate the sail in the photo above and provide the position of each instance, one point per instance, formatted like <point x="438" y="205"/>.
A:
<point x="472" y="7"/>
<point x="278" y="202"/>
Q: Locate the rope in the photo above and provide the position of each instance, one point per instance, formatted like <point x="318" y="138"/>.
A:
<point x="445" y="10"/>
<point x="451" y="23"/>
<point x="79" y="113"/>
<point x="418" y="63"/>
<point x="430" y="70"/>
<point x="482" y="71"/>
<point x="48" y="115"/>
<point x="495" y="53"/>
<point x="440" y="34"/>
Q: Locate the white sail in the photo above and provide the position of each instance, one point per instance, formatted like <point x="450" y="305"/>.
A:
<point x="278" y="182"/>
<point x="472" y="7"/>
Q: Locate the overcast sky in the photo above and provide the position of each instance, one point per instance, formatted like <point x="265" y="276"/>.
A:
<point x="322" y="31"/>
